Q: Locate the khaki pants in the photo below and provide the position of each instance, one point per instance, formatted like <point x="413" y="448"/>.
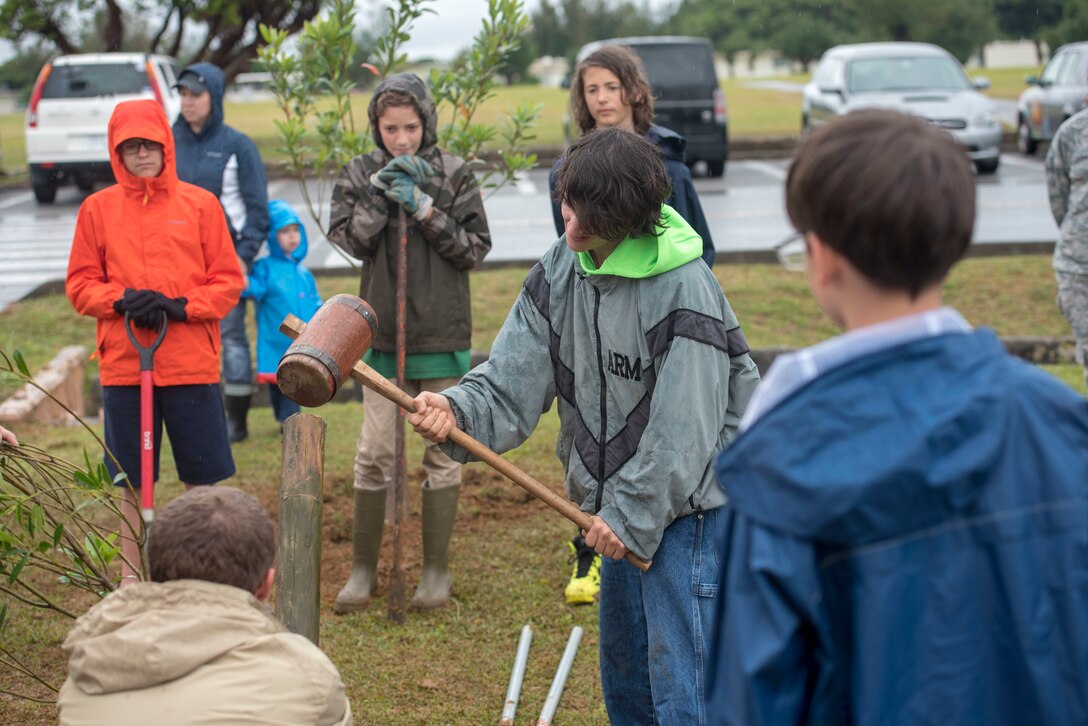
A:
<point x="374" y="460"/>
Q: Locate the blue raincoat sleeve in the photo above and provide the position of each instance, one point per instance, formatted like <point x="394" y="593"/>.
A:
<point x="254" y="190"/>
<point x="770" y="652"/>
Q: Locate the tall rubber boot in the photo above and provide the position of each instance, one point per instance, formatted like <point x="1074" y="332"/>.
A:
<point x="366" y="543"/>
<point x="439" y="511"/>
<point x="237" y="411"/>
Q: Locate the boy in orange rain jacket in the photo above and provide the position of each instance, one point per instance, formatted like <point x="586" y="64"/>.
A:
<point x="149" y="245"/>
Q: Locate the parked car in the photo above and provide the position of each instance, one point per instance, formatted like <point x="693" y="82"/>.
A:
<point x="1054" y="96"/>
<point x="69" y="112"/>
<point x="687" y="96"/>
<point x="917" y="78"/>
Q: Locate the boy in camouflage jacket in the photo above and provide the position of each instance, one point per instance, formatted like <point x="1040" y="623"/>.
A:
<point x="447" y="236"/>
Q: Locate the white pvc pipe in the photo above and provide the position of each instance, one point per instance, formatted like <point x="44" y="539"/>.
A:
<point x="516" y="676"/>
<point x="551" y="703"/>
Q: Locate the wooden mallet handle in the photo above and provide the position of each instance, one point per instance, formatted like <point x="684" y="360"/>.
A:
<point x="293" y="327"/>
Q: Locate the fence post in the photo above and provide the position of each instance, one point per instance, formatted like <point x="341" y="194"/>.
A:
<point x="298" y="575"/>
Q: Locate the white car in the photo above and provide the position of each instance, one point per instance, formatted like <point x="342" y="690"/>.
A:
<point x="916" y="78"/>
<point x="69" y="112"/>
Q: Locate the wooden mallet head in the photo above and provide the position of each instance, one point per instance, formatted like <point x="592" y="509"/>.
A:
<point x="321" y="359"/>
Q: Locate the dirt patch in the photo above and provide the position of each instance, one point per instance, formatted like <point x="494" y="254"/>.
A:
<point x="486" y="497"/>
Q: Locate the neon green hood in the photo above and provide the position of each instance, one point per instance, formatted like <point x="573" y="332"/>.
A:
<point x="648" y="256"/>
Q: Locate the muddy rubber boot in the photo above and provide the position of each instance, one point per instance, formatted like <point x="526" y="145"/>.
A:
<point x="237" y="411"/>
<point x="366" y="542"/>
<point x="439" y="511"/>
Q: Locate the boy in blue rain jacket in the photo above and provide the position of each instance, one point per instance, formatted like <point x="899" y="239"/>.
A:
<point x="280" y="284"/>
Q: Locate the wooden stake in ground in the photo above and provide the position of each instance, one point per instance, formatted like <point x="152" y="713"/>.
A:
<point x="400" y="472"/>
<point x="298" y="577"/>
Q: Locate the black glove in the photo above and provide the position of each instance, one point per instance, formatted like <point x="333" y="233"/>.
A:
<point x="149" y="314"/>
<point x="132" y="300"/>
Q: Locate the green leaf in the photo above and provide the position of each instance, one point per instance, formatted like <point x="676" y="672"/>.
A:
<point x="20" y="363"/>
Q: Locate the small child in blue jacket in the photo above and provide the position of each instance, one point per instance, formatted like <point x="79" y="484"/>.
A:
<point x="280" y="284"/>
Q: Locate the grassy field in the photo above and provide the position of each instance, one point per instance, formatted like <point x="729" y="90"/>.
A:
<point x="753" y="112"/>
<point x="509" y="555"/>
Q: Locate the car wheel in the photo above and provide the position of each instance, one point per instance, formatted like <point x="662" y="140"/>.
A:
<point x="988" y="166"/>
<point x="85" y="185"/>
<point x="45" y="192"/>
<point x="1024" y="142"/>
<point x="715" y="168"/>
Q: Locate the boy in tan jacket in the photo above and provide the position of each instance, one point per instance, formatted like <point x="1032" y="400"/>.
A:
<point x="197" y="645"/>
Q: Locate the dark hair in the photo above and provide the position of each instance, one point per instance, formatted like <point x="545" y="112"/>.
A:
<point x="890" y="192"/>
<point x="615" y="182"/>
<point x="217" y="534"/>
<point x="393" y="98"/>
<point x="636" y="93"/>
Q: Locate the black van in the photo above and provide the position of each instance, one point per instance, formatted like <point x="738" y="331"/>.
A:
<point x="687" y="97"/>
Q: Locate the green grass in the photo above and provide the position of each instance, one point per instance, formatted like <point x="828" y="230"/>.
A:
<point x="509" y="552"/>
<point x="1006" y="83"/>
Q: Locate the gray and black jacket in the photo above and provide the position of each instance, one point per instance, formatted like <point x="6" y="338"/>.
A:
<point x="441" y="250"/>
<point x="650" y="370"/>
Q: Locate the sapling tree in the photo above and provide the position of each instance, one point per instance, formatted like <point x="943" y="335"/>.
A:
<point x="57" y="531"/>
<point x="311" y="81"/>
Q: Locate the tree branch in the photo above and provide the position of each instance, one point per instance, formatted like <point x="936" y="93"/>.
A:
<point x="114" y="31"/>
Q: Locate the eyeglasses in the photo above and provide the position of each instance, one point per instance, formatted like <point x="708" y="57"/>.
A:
<point x="792" y="252"/>
<point x="132" y="146"/>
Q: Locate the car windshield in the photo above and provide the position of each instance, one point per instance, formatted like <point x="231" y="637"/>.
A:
<point x="95" y="79"/>
<point x="671" y="65"/>
<point x="905" y="73"/>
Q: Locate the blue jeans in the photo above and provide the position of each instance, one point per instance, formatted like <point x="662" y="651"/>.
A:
<point x="654" y="627"/>
<point x="282" y="406"/>
<point x="237" y="368"/>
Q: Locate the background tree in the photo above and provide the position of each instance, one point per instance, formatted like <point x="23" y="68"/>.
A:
<point x="561" y="27"/>
<point x="1028" y="19"/>
<point x="961" y="27"/>
<point x="224" y="32"/>
<point x="1072" y="25"/>
<point x="313" y="85"/>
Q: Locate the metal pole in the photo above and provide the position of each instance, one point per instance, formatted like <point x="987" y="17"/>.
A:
<point x="516" y="676"/>
<point x="298" y="577"/>
<point x="551" y="703"/>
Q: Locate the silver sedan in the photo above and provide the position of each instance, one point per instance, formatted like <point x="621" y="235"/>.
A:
<point x="917" y="78"/>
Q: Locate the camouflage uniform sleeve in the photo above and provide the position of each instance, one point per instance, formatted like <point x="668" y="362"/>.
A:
<point x="358" y="214"/>
<point x="1057" y="176"/>
<point x="457" y="226"/>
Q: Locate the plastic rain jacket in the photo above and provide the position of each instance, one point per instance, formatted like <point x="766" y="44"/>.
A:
<point x="194" y="653"/>
<point x="159" y="234"/>
<point x="280" y="285"/>
<point x="907" y="543"/>
<point x="650" y="369"/>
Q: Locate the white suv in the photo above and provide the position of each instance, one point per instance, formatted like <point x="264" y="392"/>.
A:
<point x="69" y="112"/>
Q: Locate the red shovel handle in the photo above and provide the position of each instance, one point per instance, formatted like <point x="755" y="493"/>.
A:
<point x="147" y="438"/>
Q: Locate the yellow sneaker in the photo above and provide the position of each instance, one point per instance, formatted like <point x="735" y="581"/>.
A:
<point x="585" y="579"/>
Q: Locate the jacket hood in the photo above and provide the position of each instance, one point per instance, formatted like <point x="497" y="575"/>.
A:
<point x="649" y="255"/>
<point x="412" y="85"/>
<point x="212" y="77"/>
<point x="282" y="214"/>
<point x="900" y="453"/>
<point x="671" y="144"/>
<point x="151" y="633"/>
<point x="143" y="119"/>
